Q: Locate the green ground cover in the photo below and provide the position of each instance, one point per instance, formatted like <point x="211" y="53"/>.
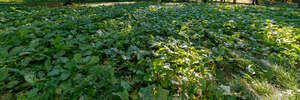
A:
<point x="150" y="51"/>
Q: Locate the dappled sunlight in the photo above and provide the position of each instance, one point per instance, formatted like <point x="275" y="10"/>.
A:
<point x="277" y="34"/>
<point x="102" y="4"/>
<point x="139" y="50"/>
<point x="285" y="78"/>
<point x="266" y="91"/>
<point x="240" y="1"/>
<point x="246" y="62"/>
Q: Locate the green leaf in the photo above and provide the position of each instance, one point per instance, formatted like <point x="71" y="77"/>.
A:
<point x="93" y="60"/>
<point x="13" y="8"/>
<point x="16" y="50"/>
<point x="65" y="75"/>
<point x="162" y="94"/>
<point x="63" y="59"/>
<point x="3" y="52"/>
<point x="30" y="78"/>
<point x="129" y="26"/>
<point x="26" y="61"/>
<point x="23" y="32"/>
<point x="125" y="85"/>
<point x="12" y="84"/>
<point x="219" y="59"/>
<point x="59" y="54"/>
<point x="3" y="74"/>
<point x="123" y="95"/>
<point x="24" y="53"/>
<point x="147" y="93"/>
<point x="34" y="44"/>
<point x="54" y="72"/>
<point x="184" y="27"/>
<point x="77" y="58"/>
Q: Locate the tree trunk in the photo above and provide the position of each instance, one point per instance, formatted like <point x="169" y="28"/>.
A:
<point x="204" y="1"/>
<point x="234" y="1"/>
<point x="298" y="3"/>
<point x="68" y="2"/>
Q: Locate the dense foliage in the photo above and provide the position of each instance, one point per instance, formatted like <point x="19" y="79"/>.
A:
<point x="150" y="51"/>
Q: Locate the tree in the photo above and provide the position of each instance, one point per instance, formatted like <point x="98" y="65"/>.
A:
<point x="204" y="1"/>
<point x="234" y="1"/>
<point x="68" y="2"/>
<point x="255" y="2"/>
<point x="298" y="3"/>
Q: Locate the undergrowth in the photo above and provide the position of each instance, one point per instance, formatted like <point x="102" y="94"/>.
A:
<point x="150" y="51"/>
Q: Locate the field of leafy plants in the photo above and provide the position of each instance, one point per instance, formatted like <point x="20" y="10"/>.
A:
<point x="148" y="51"/>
